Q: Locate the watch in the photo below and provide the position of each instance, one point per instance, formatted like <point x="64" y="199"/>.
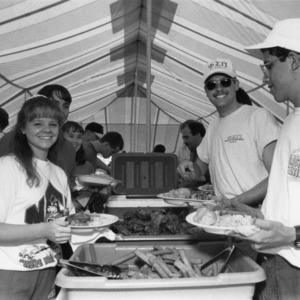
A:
<point x="297" y="241"/>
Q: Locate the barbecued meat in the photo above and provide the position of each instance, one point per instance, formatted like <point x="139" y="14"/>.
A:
<point x="154" y="221"/>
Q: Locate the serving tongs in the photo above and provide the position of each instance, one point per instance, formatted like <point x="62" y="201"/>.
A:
<point x="225" y="254"/>
<point x="91" y="269"/>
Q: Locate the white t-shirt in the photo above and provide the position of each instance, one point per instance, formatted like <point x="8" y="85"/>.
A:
<point x="233" y="147"/>
<point x="183" y="153"/>
<point x="282" y="202"/>
<point x="22" y="204"/>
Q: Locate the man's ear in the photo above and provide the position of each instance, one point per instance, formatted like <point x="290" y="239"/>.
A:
<point x="295" y="58"/>
<point x="237" y="84"/>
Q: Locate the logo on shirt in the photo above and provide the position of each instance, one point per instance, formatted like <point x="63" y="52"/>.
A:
<point x="37" y="256"/>
<point x="53" y="202"/>
<point x="234" y="138"/>
<point x="294" y="165"/>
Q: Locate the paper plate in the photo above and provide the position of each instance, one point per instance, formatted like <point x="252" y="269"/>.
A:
<point x="182" y="201"/>
<point x="104" y="221"/>
<point x="96" y="180"/>
<point x="207" y="228"/>
<point x="246" y="230"/>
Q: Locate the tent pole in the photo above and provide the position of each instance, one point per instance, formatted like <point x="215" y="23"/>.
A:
<point x="134" y="138"/>
<point x="148" y="77"/>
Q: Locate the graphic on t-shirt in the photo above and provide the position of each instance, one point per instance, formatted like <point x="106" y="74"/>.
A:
<point x="36" y="256"/>
<point x="52" y="201"/>
<point x="55" y="202"/>
<point x="294" y="165"/>
<point x="51" y="204"/>
<point x="234" y="138"/>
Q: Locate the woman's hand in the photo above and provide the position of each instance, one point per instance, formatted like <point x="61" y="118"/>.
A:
<point x="58" y="230"/>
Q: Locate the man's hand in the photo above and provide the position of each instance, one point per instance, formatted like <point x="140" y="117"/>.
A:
<point x="271" y="237"/>
<point x="189" y="171"/>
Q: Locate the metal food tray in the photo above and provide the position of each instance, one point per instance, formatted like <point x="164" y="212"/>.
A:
<point x="203" y="237"/>
<point x="118" y="205"/>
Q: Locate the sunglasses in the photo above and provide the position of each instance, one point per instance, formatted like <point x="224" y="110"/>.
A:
<point x="267" y="66"/>
<point x="212" y="84"/>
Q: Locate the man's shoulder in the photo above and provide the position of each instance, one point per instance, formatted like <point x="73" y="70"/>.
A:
<point x="255" y="110"/>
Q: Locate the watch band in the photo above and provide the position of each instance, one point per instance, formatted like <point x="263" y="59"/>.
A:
<point x="297" y="241"/>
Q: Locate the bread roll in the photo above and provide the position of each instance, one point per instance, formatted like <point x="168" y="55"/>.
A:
<point x="210" y="218"/>
<point x="201" y="211"/>
<point x="185" y="193"/>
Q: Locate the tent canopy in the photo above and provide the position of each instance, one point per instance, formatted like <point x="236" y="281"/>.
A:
<point x="97" y="49"/>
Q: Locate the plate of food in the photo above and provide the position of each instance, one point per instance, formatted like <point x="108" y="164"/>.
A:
<point x="83" y="220"/>
<point x="184" y="196"/>
<point x="181" y="201"/>
<point x="206" y="188"/>
<point x="208" y="228"/>
<point x="217" y="222"/>
<point x="97" y="180"/>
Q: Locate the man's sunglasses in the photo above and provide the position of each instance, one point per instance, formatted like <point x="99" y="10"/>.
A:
<point x="212" y="84"/>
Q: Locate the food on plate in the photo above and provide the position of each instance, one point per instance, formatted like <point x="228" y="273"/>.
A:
<point x="154" y="221"/>
<point x="206" y="216"/>
<point x="206" y="187"/>
<point x="226" y="206"/>
<point x="96" y="219"/>
<point x="185" y="193"/>
<point x="91" y="219"/>
<point x="240" y="222"/>
<point x="79" y="218"/>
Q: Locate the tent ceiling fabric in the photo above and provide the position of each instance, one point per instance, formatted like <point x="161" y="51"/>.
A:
<point x="97" y="49"/>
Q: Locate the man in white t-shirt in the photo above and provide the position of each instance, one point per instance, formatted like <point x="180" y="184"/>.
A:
<point x="278" y="241"/>
<point x="239" y="144"/>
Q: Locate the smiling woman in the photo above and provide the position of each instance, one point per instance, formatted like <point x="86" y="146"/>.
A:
<point x="36" y="132"/>
<point x="33" y="191"/>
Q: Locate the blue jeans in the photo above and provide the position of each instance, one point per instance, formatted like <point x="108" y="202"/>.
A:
<point x="283" y="279"/>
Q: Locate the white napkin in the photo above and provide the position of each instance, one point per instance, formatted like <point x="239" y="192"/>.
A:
<point x="89" y="236"/>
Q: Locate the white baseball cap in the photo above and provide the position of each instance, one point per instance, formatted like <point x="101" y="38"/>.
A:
<point x="219" y="65"/>
<point x="285" y="34"/>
